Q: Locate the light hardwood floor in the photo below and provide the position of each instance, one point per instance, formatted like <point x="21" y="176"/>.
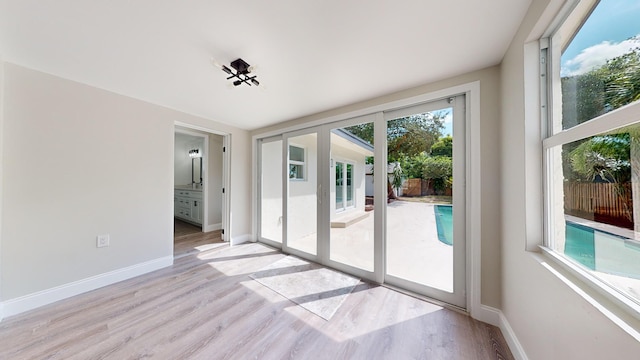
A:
<point x="189" y="239"/>
<point x="207" y="307"/>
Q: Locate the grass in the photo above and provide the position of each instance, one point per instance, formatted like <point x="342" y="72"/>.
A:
<point x="429" y="199"/>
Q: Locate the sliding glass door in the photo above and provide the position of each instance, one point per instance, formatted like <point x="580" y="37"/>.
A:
<point x="393" y="212"/>
<point x="270" y="225"/>
<point x="302" y="192"/>
<point x="425" y="242"/>
<point x="351" y="210"/>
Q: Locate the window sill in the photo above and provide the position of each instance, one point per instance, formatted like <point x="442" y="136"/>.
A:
<point x="613" y="304"/>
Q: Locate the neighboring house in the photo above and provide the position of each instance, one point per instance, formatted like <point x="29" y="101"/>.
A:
<point x="348" y="180"/>
<point x="347" y="193"/>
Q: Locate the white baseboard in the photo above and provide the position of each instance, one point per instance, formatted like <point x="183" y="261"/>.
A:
<point x="487" y="314"/>
<point x="510" y="337"/>
<point x="495" y="317"/>
<point x="237" y="240"/>
<point x="41" y="298"/>
<point x="212" y="227"/>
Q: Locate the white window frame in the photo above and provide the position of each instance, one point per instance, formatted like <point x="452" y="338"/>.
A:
<point x="301" y="163"/>
<point x="569" y="19"/>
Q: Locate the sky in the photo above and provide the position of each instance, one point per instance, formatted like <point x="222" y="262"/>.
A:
<point x="605" y="35"/>
<point x="448" y="124"/>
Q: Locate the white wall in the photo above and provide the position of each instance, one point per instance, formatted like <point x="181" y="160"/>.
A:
<point x="72" y="169"/>
<point x="78" y="163"/>
<point x="551" y="319"/>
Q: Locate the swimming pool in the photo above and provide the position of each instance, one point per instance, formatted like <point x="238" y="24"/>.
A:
<point x="602" y="251"/>
<point x="580" y="244"/>
<point x="444" y="223"/>
<point x="594" y="249"/>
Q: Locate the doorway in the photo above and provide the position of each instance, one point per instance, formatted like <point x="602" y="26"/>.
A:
<point x="199" y="177"/>
<point x="342" y="202"/>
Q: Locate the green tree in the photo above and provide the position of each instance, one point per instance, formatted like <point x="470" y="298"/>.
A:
<point x="608" y="87"/>
<point x="413" y="166"/>
<point x="363" y="131"/>
<point x="623" y="79"/>
<point x="586" y="96"/>
<point x="443" y="147"/>
<point x="413" y="135"/>
<point x="438" y="169"/>
<point x="407" y="136"/>
<point x="605" y="156"/>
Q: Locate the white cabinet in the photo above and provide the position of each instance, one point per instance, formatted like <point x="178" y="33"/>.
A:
<point x="187" y="205"/>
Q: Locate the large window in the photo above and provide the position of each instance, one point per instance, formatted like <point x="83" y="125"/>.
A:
<point x="592" y="148"/>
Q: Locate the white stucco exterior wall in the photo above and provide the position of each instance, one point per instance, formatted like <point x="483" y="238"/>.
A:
<point x="302" y="200"/>
<point x="271" y="191"/>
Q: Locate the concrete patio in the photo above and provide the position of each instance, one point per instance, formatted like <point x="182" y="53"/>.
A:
<point x="413" y="250"/>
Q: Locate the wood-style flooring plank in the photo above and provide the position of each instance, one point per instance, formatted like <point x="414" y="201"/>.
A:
<point x="206" y="306"/>
<point x="189" y="239"/>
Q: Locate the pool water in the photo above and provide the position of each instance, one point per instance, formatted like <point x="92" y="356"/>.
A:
<point x="580" y="244"/>
<point x="444" y="223"/>
<point x="594" y="249"/>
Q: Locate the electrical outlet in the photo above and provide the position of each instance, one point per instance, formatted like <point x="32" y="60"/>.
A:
<point x="102" y="241"/>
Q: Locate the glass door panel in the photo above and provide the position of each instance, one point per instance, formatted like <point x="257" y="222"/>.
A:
<point x="339" y="186"/>
<point x="270" y="154"/>
<point x="349" y="188"/>
<point x="425" y="216"/>
<point x="351" y="214"/>
<point x="301" y="154"/>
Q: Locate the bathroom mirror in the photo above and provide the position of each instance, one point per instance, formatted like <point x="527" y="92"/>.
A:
<point x="189" y="160"/>
<point x="196" y="171"/>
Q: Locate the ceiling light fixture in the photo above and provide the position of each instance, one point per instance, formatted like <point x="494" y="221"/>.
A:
<point x="241" y="74"/>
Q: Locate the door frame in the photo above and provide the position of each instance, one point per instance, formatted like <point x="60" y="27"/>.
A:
<point x="226" y="176"/>
<point x="204" y="169"/>
<point x="473" y="185"/>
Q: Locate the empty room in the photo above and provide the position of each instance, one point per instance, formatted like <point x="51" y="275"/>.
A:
<point x="320" y="180"/>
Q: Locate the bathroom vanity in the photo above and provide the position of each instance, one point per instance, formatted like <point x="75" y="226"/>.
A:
<point x="187" y="204"/>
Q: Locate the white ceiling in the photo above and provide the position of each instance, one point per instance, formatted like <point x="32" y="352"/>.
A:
<point x="310" y="56"/>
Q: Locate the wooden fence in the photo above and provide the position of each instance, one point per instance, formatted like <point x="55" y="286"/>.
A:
<point x="606" y="202"/>
<point x="420" y="187"/>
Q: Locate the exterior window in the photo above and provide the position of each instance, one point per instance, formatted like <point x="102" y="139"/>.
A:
<point x="296" y="163"/>
<point x="592" y="148"/>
